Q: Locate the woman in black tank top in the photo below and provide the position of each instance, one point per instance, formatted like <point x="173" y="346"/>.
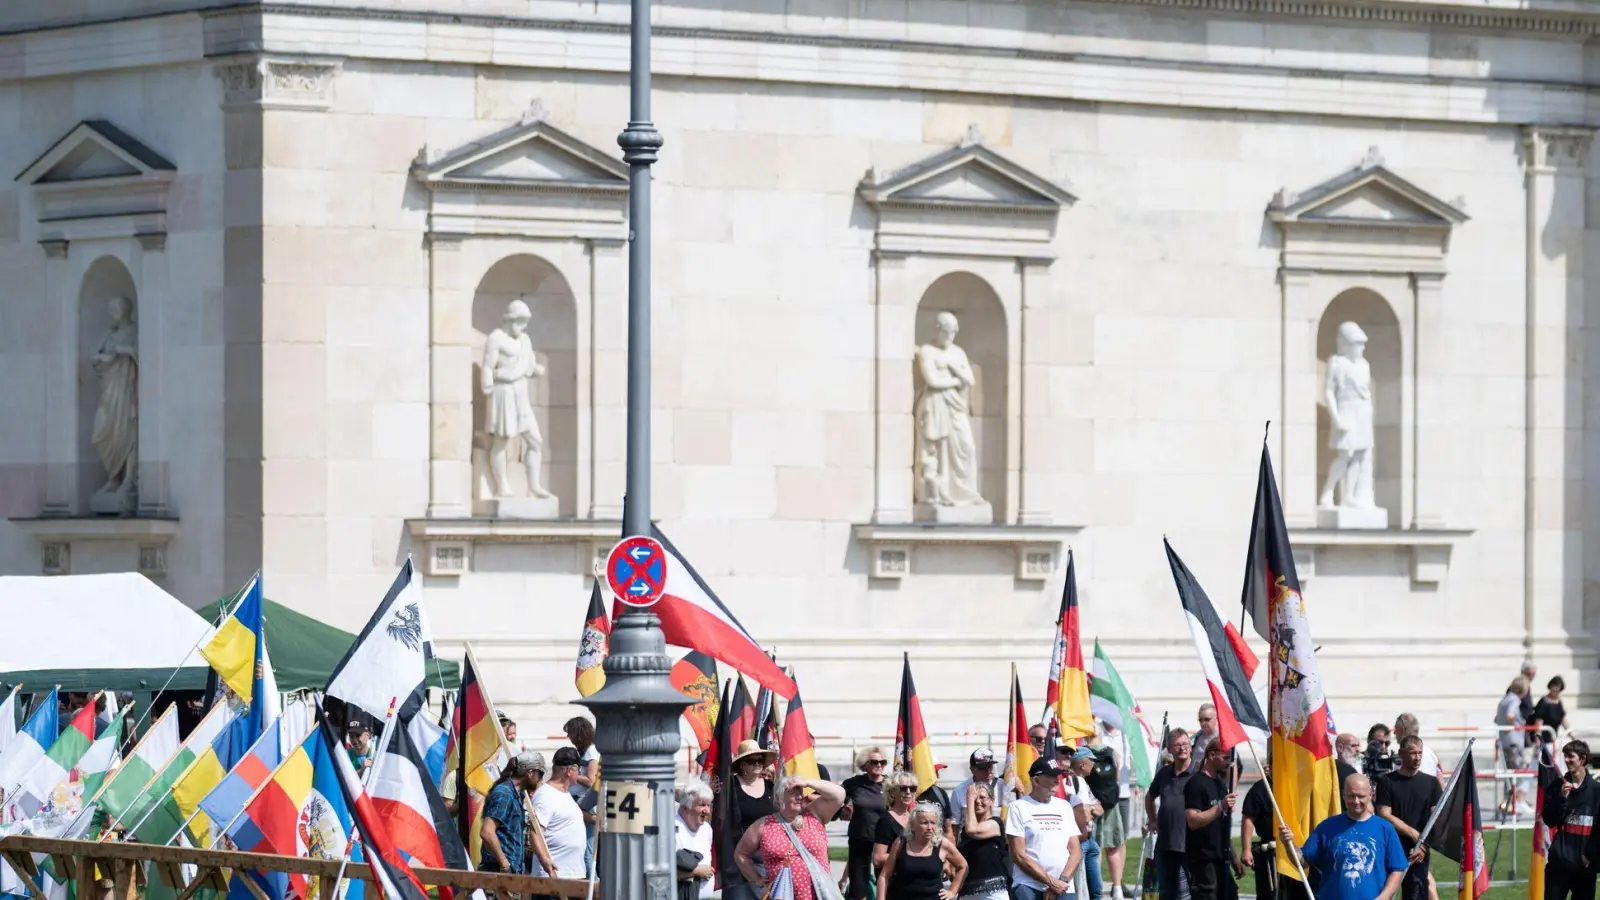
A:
<point x="983" y="844"/>
<point x="917" y="861"/>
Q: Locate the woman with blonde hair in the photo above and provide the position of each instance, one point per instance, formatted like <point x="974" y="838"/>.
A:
<point x="983" y="846"/>
<point x="1513" y="739"/>
<point x="899" y="798"/>
<point x="863" y="807"/>
<point x="918" y="861"/>
<point x="792" y="839"/>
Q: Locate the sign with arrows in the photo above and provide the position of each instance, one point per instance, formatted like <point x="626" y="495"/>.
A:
<point x="636" y="570"/>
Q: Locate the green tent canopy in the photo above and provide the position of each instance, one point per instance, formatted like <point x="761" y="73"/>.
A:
<point x="304" y="651"/>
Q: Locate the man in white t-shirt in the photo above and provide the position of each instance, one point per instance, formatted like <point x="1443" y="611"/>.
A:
<point x="560" y="819"/>
<point x="1043" y="835"/>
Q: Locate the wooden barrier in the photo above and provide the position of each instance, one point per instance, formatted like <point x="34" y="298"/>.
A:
<point x="121" y="864"/>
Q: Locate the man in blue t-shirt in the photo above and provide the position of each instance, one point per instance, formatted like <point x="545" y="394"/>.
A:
<point x="1359" y="854"/>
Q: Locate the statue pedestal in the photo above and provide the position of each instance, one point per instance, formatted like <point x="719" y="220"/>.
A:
<point x="105" y="503"/>
<point x="1372" y="518"/>
<point x="965" y="514"/>
<point x="525" y="507"/>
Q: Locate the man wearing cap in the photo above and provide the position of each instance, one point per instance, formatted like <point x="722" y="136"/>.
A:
<point x="560" y="819"/>
<point x="359" y="738"/>
<point x="505" y="829"/>
<point x="982" y="764"/>
<point x="1042" y="833"/>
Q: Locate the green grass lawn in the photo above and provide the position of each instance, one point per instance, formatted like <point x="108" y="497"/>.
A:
<point x="1499" y="845"/>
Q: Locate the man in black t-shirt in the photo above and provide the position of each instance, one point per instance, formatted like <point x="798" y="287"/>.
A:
<point x="1208" y="813"/>
<point x="1256" y="835"/>
<point x="1170" y="825"/>
<point x="1406" y="799"/>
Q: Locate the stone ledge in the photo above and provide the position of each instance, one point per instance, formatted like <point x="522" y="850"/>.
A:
<point x="56" y="536"/>
<point x="447" y="543"/>
<point x="1037" y="547"/>
<point x="1430" y="548"/>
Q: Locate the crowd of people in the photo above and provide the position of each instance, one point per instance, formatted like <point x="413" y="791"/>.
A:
<point x="1065" y="834"/>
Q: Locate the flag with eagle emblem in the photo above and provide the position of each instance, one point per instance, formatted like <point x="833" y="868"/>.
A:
<point x="390" y="657"/>
<point x="593" y="645"/>
<point x="696" y="676"/>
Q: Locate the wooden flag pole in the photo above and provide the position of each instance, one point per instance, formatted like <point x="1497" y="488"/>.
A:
<point x="1293" y="852"/>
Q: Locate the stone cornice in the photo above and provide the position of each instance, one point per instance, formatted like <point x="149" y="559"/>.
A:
<point x="1496" y="15"/>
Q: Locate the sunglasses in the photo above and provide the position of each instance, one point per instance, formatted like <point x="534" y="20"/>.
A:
<point x="877" y="762"/>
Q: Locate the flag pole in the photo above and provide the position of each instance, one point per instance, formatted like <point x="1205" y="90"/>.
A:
<point x="1292" y="852"/>
<point x="366" y="779"/>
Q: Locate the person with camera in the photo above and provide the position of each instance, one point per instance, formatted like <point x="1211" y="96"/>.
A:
<point x="1570" y="863"/>
<point x="1406" y="799"/>
<point x="1379" y="758"/>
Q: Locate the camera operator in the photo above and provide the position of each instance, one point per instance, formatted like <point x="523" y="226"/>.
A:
<point x="1379" y="758"/>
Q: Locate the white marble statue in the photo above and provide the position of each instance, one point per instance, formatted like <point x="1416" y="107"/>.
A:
<point x="946" y="452"/>
<point x="508" y="364"/>
<point x="116" y="418"/>
<point x="1348" y="395"/>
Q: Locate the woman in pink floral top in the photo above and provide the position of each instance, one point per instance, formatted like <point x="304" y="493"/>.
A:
<point x="806" y="815"/>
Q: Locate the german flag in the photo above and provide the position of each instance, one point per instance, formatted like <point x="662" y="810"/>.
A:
<point x="1458" y="834"/>
<point x="594" y="645"/>
<point x="1019" y="751"/>
<point x="1068" y="690"/>
<point x="911" y="750"/>
<point x="741" y="716"/>
<point x="696" y="676"/>
<point x="795" y="747"/>
<point x="478" y="753"/>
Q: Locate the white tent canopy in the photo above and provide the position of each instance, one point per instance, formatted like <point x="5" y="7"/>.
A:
<point x="88" y="632"/>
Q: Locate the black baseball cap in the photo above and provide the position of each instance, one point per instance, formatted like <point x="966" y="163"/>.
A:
<point x="1042" y="768"/>
<point x="567" y="756"/>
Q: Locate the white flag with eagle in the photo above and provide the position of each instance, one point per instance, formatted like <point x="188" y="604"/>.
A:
<point x="390" y="657"/>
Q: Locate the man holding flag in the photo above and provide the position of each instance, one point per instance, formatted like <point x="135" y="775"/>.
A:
<point x="1359" y="854"/>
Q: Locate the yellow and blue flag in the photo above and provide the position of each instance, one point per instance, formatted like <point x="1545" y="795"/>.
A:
<point x="238" y="651"/>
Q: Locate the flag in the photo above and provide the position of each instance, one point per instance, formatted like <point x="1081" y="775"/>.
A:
<point x="238" y="653"/>
<point x="127" y="783"/>
<point x="693" y="618"/>
<point x="207" y="773"/>
<point x="154" y="818"/>
<point x="1068" y="690"/>
<point x="593" y="645"/>
<point x="766" y="729"/>
<point x="223" y="803"/>
<point x="742" y="716"/>
<point x="391" y="875"/>
<point x="299" y="811"/>
<point x="433" y="742"/>
<point x="389" y="658"/>
<point x="696" y="676"/>
<point x="796" y="748"/>
<point x="30" y="744"/>
<point x="1546" y="775"/>
<point x="724" y="836"/>
<point x="1230" y="686"/>
<point x="911" y="750"/>
<point x="1457" y="829"/>
<point x="1019" y="751"/>
<point x="1305" y="781"/>
<point x="1107" y="686"/>
<point x="35" y="789"/>
<point x="104" y="755"/>
<point x="479" y="754"/>
<point x="8" y="719"/>
<point x="409" y="809"/>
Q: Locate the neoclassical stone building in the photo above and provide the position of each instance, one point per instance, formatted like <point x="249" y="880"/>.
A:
<point x="1149" y="219"/>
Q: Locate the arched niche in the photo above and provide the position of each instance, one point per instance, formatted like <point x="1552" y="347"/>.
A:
<point x="553" y="331"/>
<point x="1385" y="354"/>
<point x="982" y="321"/>
<point x="105" y="279"/>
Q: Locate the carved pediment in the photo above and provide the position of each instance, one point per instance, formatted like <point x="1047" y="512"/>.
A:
<point x="969" y="175"/>
<point x="529" y="155"/>
<point x="1366" y="219"/>
<point x="1369" y="194"/>
<point x="95" y="151"/>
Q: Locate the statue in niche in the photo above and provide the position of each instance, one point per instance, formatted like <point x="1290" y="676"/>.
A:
<point x="508" y="365"/>
<point x="1348" y="396"/>
<point x="946" y="452"/>
<point x="116" y="418"/>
